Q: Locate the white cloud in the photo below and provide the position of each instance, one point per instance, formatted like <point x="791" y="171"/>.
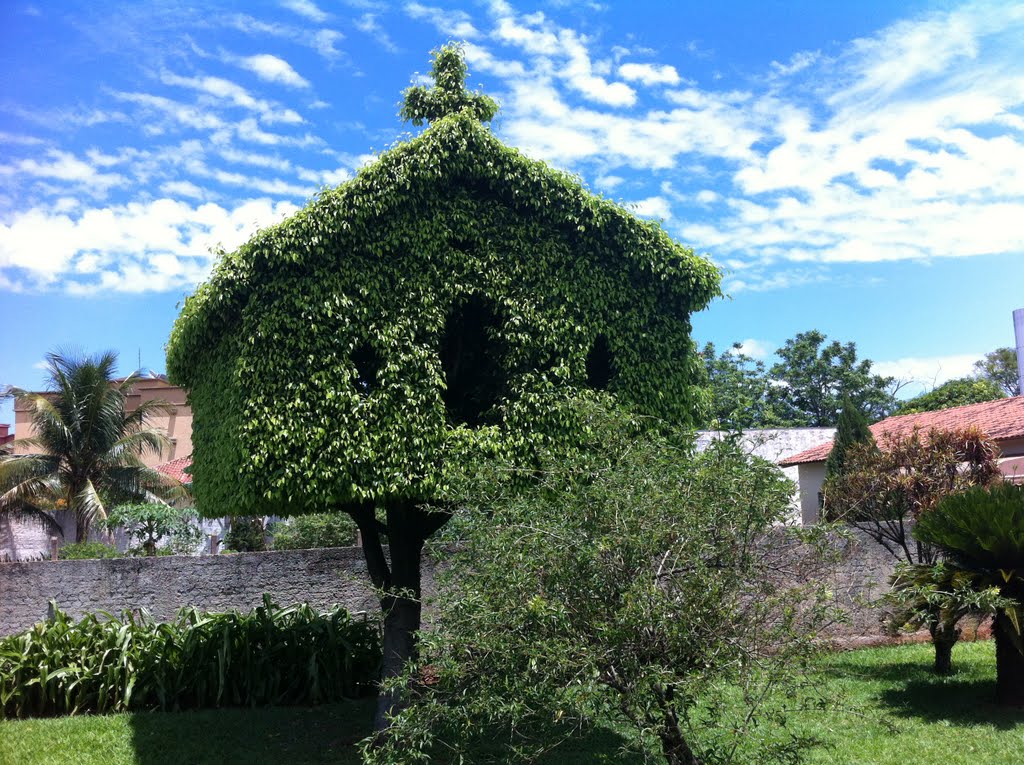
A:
<point x="652" y="207"/>
<point x="755" y="349"/>
<point x="456" y="24"/>
<point x="922" y="373"/>
<point x="307" y="9"/>
<point x="226" y="90"/>
<point x="62" y="166"/>
<point x="273" y="69"/>
<point x="650" y="74"/>
<point x="368" y="25"/>
<point x="157" y="245"/>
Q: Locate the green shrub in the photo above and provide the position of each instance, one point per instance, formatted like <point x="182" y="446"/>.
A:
<point x="307" y="532"/>
<point x="269" y="655"/>
<point x="85" y="550"/>
<point x="246" y="534"/>
<point x="149" y="523"/>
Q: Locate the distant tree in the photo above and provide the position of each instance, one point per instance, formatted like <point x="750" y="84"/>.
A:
<point x="90" y="447"/>
<point x="149" y="523"/>
<point x="1000" y="366"/>
<point x="812" y="378"/>
<point x="852" y="429"/>
<point x="885" y="490"/>
<point x="739" y="390"/>
<point x="959" y="392"/>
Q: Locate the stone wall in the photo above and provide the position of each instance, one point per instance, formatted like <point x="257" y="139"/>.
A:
<point x="319" y="577"/>
<point x="166" y="583"/>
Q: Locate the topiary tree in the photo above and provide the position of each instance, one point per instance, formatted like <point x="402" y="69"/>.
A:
<point x="982" y="531"/>
<point x="449" y="302"/>
<point x="852" y="429"/>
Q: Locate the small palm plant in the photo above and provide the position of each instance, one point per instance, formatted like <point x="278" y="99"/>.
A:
<point x="87" y="447"/>
<point x="982" y="533"/>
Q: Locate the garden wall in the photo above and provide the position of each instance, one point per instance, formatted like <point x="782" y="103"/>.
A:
<point x="320" y="577"/>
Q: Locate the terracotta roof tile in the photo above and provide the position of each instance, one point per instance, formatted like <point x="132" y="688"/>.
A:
<point x="176" y="468"/>
<point x="1001" y="420"/>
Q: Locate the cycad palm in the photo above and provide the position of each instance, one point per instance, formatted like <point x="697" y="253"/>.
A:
<point x="88" y="448"/>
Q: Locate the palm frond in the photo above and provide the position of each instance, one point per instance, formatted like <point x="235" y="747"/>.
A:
<point x="88" y="505"/>
<point x="148" y="441"/>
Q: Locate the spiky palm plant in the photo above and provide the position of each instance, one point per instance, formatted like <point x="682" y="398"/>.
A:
<point x="87" y="448"/>
<point x="982" y="532"/>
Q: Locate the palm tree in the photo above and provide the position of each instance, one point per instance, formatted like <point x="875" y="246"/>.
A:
<point x="982" y="532"/>
<point x="89" y="448"/>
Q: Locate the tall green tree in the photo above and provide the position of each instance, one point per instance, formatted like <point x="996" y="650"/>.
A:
<point x="739" y="387"/>
<point x="959" y="392"/>
<point x="449" y="303"/>
<point x="1000" y="367"/>
<point x="812" y="377"/>
<point x="88" y="446"/>
<point x="852" y="429"/>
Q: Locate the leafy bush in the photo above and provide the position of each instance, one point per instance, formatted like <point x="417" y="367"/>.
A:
<point x="307" y="532"/>
<point x="635" y="581"/>
<point x="86" y="550"/>
<point x="269" y="655"/>
<point x="247" y="534"/>
<point x="149" y="523"/>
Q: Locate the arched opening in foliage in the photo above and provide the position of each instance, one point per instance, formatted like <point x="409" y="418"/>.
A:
<point x="367" y="363"/>
<point x="471" y="352"/>
<point x="600" y="364"/>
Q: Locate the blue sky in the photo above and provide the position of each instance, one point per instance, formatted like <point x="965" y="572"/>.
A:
<point x="856" y="168"/>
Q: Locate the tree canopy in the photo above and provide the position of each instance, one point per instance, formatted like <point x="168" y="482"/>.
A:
<point x="448" y="300"/>
<point x="959" y="392"/>
<point x="1000" y="367"/>
<point x="451" y="302"/>
<point x="812" y="378"/>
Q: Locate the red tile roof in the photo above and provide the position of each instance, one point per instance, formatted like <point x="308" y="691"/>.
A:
<point x="1001" y="420"/>
<point x="176" y="469"/>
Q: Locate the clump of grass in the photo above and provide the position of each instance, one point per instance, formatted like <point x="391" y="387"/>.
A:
<point x="270" y="655"/>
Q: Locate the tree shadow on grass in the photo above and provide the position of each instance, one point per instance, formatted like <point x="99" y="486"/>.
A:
<point x="315" y="736"/>
<point x="262" y="736"/>
<point x="961" y="702"/>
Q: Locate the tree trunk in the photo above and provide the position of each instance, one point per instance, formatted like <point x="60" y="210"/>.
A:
<point x="1009" y="664"/>
<point x="944" y="634"/>
<point x="398" y="584"/>
<point x="81" y="530"/>
<point x="402" y="609"/>
<point x="676" y="750"/>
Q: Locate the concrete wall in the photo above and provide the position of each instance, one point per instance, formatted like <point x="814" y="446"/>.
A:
<point x="320" y="577"/>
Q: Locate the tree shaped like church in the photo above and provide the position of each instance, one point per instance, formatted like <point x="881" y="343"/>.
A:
<point x="451" y="301"/>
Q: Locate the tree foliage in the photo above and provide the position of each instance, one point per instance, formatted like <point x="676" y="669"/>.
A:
<point x="450" y="302"/>
<point x="150" y="523"/>
<point x="852" y="429"/>
<point x="1000" y="367"/>
<point x="884" y="490"/>
<point x="740" y="389"/>
<point x="89" y="447"/>
<point x="813" y="377"/>
<point x="959" y="392"/>
<point x="982" y="530"/>
<point x="636" y="581"/>
<point x="315" y="530"/>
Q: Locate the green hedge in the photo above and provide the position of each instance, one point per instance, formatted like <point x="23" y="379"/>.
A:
<point x="269" y="655"/>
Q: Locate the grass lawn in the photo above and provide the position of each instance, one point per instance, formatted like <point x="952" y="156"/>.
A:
<point x="899" y="713"/>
